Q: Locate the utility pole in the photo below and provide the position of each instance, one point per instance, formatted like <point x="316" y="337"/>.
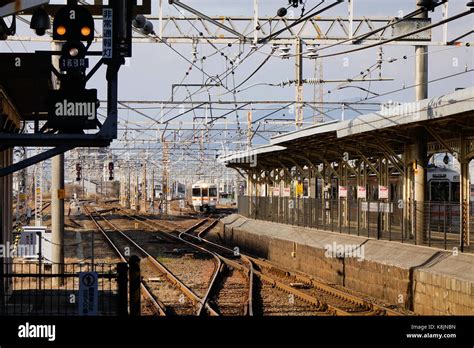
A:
<point x="38" y="183"/>
<point x="144" y="189"/>
<point x="153" y="190"/>
<point x="318" y="89"/>
<point x="57" y="196"/>
<point x="128" y="189"/>
<point x="299" y="83"/>
<point x="420" y="147"/>
<point x="165" y="183"/>
<point x="249" y="130"/>
<point x="137" y="190"/>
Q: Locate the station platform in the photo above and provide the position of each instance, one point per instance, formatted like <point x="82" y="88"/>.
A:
<point x="424" y="280"/>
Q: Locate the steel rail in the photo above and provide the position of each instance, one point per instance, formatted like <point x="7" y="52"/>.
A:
<point x="318" y="285"/>
<point x="160" y="307"/>
<point x="168" y="274"/>
<point x="371" y="308"/>
<point x="248" y="271"/>
<point x="218" y="267"/>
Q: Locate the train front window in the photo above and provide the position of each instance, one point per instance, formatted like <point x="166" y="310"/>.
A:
<point x="204" y="192"/>
<point x="213" y="192"/>
<point x="455" y="192"/>
<point x="439" y="191"/>
<point x="196" y="192"/>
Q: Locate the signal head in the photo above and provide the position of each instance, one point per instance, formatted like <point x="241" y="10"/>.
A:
<point x="73" y="23"/>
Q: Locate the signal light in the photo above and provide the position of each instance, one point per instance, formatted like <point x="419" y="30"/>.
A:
<point x="111" y="171"/>
<point x="86" y="31"/>
<point x="61" y="30"/>
<point x="73" y="23"/>
<point x="78" y="171"/>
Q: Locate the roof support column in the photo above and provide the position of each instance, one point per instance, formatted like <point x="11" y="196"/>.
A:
<point x="343" y="201"/>
<point x="385" y="175"/>
<point x="407" y="193"/>
<point x="312" y="182"/>
<point x="420" y="168"/>
<point x="324" y="195"/>
<point x="57" y="215"/>
<point x="464" y="194"/>
<point x="249" y="192"/>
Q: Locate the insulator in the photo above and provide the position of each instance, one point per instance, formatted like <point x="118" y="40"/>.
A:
<point x="312" y="81"/>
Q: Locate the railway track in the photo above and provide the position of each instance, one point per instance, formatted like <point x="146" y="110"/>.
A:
<point x="273" y="299"/>
<point x="321" y="296"/>
<point x="172" y="298"/>
<point x="228" y="292"/>
<point x="310" y="289"/>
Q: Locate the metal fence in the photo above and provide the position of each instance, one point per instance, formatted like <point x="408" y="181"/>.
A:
<point x="53" y="290"/>
<point x="394" y="221"/>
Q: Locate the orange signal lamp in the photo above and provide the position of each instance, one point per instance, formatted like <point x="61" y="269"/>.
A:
<point x="85" y="31"/>
<point x="61" y="30"/>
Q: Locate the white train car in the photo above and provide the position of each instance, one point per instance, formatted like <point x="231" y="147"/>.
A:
<point x="204" y="196"/>
<point x="443" y="185"/>
<point x="443" y="196"/>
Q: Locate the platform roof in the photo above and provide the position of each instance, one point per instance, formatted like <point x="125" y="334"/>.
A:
<point x="9" y="116"/>
<point x="28" y="86"/>
<point x="386" y="131"/>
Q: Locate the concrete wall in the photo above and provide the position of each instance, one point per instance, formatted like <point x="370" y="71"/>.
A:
<point x="446" y="288"/>
<point x="426" y="280"/>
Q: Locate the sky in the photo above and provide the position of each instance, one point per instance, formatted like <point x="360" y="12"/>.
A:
<point x="154" y="67"/>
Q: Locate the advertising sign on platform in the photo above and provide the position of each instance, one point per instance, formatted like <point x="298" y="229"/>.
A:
<point x="361" y="192"/>
<point x="383" y="192"/>
<point x="342" y="191"/>
<point x="276" y="191"/>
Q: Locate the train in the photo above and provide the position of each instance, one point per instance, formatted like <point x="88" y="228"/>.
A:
<point x="204" y="196"/>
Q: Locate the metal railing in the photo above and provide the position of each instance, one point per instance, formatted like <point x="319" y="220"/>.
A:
<point x="39" y="289"/>
<point x="435" y="224"/>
